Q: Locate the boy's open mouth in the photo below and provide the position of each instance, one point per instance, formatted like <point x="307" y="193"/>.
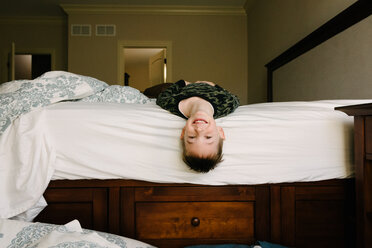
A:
<point x="200" y="121"/>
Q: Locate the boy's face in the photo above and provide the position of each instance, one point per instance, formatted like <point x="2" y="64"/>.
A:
<point x="201" y="135"/>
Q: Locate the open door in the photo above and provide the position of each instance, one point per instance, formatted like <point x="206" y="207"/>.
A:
<point x="157" y="68"/>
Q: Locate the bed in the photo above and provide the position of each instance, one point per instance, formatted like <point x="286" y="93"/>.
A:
<point x="118" y="168"/>
<point x="115" y="177"/>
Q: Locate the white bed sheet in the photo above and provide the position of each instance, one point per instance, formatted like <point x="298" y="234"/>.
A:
<point x="265" y="143"/>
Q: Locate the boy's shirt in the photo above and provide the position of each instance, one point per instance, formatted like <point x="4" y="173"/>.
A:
<point x="223" y="101"/>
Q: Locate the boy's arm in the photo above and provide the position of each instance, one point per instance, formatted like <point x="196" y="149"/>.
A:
<point x="206" y="82"/>
<point x="167" y="98"/>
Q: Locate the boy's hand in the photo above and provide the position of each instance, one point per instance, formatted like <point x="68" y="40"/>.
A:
<point x="206" y="82"/>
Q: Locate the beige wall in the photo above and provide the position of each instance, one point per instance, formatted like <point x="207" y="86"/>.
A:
<point x="33" y="35"/>
<point x="204" y="47"/>
<point x="342" y="69"/>
<point x="274" y="26"/>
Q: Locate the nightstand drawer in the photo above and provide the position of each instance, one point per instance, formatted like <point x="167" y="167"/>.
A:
<point x="195" y="193"/>
<point x="188" y="220"/>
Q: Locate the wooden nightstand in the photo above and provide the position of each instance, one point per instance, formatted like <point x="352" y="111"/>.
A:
<point x="363" y="170"/>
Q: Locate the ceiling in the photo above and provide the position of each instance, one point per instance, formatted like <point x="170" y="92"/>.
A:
<point x="52" y="7"/>
<point x="139" y="56"/>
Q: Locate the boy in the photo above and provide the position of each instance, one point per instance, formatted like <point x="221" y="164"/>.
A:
<point x="200" y="103"/>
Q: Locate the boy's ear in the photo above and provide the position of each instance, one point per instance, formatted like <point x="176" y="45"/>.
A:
<point x="182" y="133"/>
<point x="221" y="132"/>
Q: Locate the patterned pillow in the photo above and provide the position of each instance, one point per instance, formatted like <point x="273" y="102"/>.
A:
<point x="62" y="84"/>
<point x="118" y="94"/>
<point x="21" y="96"/>
<point x="19" y="234"/>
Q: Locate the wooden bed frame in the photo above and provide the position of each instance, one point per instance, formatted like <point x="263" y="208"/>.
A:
<point x="176" y="215"/>
<point x="316" y="214"/>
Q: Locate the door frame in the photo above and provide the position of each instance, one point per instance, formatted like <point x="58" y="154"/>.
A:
<point x="122" y="44"/>
<point x="50" y="51"/>
<point x="6" y="76"/>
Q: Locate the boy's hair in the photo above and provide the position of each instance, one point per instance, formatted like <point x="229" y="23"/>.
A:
<point x="202" y="164"/>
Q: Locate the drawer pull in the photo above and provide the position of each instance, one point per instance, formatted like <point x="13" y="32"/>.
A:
<point x="195" y="221"/>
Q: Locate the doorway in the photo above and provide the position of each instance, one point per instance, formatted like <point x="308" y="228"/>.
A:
<point x="31" y="66"/>
<point x="142" y="64"/>
<point x="144" y="67"/>
<point x="29" y="63"/>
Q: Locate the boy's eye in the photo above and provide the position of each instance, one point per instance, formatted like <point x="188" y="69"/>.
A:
<point x="209" y="137"/>
<point x="191" y="137"/>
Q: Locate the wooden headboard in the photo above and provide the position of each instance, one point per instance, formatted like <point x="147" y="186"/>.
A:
<point x="347" y="18"/>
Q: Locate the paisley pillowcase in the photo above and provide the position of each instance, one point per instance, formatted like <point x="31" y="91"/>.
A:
<point x="118" y="94"/>
<point x="19" y="234"/>
<point x="21" y="96"/>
